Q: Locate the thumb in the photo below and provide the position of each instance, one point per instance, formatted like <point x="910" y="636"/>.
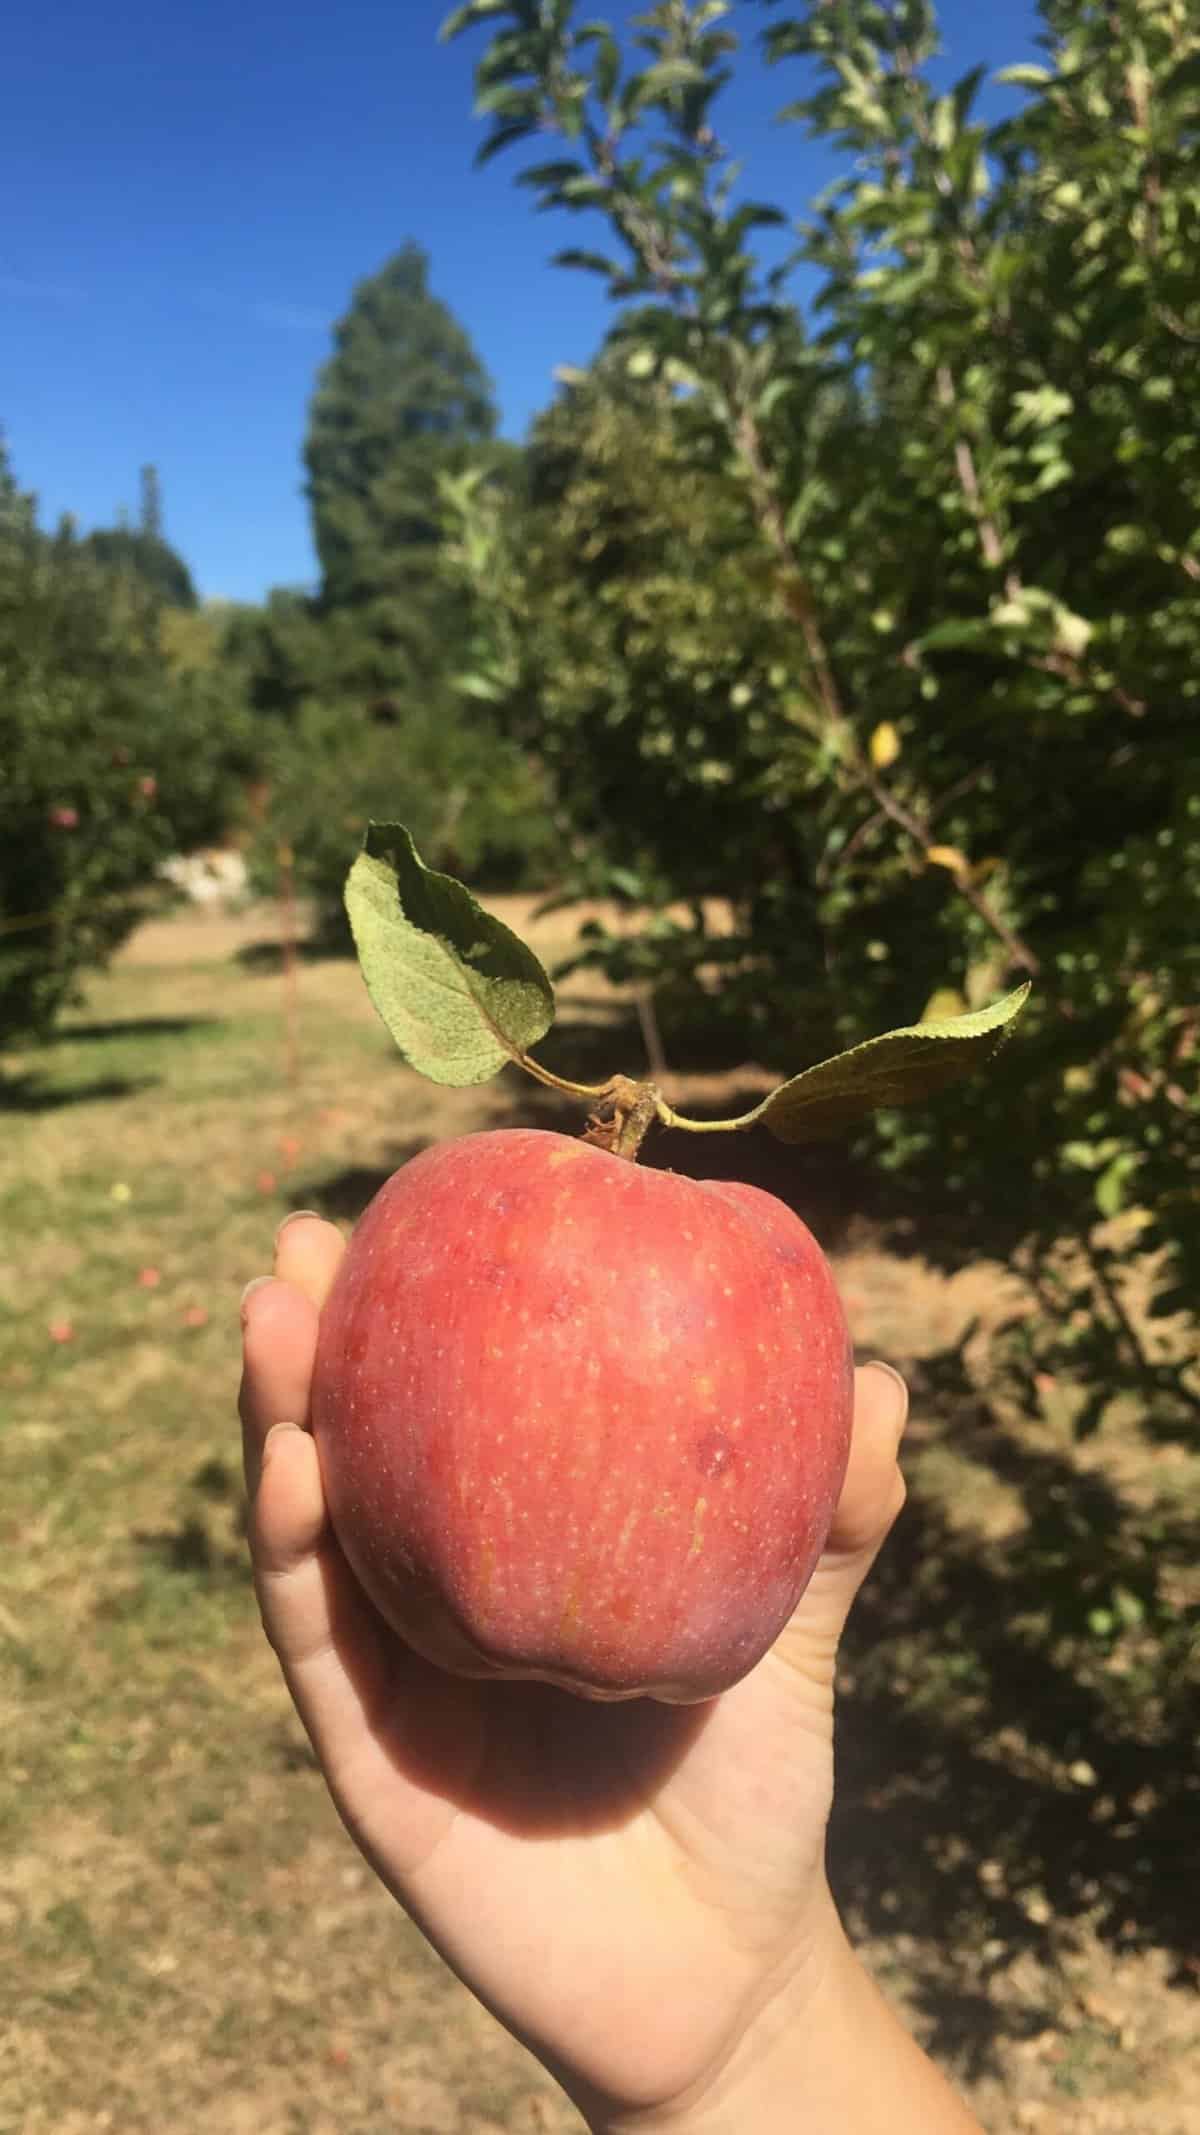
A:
<point x="873" y="1492"/>
<point x="871" y="1500"/>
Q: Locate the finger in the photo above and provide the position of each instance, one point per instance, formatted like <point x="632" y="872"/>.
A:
<point x="305" y="1590"/>
<point x="332" y="1647"/>
<point x="279" y="1343"/>
<point x="873" y="1491"/>
<point x="308" y="1252"/>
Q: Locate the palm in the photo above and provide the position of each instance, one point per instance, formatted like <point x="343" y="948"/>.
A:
<point x="577" y="1864"/>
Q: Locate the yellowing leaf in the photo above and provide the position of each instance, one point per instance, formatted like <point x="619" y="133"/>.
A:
<point x="885" y="746"/>
<point x="948" y="856"/>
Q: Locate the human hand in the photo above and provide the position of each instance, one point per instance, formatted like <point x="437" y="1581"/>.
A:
<point x="636" y="1891"/>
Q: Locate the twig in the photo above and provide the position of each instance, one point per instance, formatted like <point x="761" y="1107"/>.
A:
<point x="647" y="1014"/>
<point x="799" y="604"/>
<point x="964" y="459"/>
<point x="1151" y="1373"/>
<point x="287" y="912"/>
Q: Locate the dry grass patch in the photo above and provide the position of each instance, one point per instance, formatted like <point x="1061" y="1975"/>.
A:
<point x="191" y="1940"/>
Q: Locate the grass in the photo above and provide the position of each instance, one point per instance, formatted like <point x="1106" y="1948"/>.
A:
<point x="175" y="1894"/>
<point x="191" y="1941"/>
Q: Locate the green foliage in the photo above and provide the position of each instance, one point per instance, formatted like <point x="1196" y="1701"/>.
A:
<point x="158" y="566"/>
<point x="888" y="630"/>
<point x="110" y="759"/>
<point x="143" y="551"/>
<point x="354" y="680"/>
<point x="402" y="401"/>
<point x="476" y="803"/>
<point x="296" y="647"/>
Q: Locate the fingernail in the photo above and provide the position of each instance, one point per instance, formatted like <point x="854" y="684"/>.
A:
<point x="272" y="1437"/>
<point x="901" y="1386"/>
<point x="294" y="1217"/>
<point x="248" y="1292"/>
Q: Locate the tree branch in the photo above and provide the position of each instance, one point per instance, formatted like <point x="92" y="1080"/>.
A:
<point x="798" y="601"/>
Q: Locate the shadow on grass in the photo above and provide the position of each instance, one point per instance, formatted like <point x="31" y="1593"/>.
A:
<point x="343" y="1195"/>
<point x="206" y="1543"/>
<point x="32" y="1093"/>
<point x="33" y="1090"/>
<point x="1004" y="1775"/>
<point x="192" y="1550"/>
<point x="130" y="1027"/>
<point x="266" y="957"/>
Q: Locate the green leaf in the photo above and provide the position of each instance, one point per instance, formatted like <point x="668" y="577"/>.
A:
<point x="593" y="262"/>
<point x="1024" y="77"/>
<point x="460" y="994"/>
<point x="508" y="101"/>
<point x="607" y="70"/>
<point x="893" y="1070"/>
<point x="552" y="174"/>
<point x="503" y="137"/>
<point x="956" y="634"/>
<point x="486" y="687"/>
<point x="965" y="91"/>
<point x="464" y="18"/>
<point x="1110" y="1186"/>
<point x="583" y="192"/>
<point x="665" y="76"/>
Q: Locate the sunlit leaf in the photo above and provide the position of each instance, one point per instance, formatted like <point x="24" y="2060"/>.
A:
<point x="459" y="992"/>
<point x="885" y="746"/>
<point x="949" y="857"/>
<point x="893" y="1070"/>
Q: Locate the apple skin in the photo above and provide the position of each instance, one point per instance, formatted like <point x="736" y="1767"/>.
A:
<point x="579" y="1421"/>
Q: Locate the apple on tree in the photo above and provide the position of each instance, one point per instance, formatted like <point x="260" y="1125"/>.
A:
<point x="580" y="1421"/>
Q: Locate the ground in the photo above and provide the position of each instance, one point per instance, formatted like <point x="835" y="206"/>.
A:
<point x="193" y="1941"/>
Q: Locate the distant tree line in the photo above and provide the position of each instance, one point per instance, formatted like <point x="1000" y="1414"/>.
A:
<point x="358" y="681"/>
<point x="135" y="723"/>
<point x="113" y="755"/>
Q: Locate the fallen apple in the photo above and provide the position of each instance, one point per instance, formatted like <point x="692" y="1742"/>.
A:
<point x="582" y="1421"/>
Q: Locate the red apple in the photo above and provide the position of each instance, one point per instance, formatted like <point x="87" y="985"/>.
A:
<point x="582" y="1421"/>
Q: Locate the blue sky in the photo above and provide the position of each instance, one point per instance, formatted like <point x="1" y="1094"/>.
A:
<point x="192" y="190"/>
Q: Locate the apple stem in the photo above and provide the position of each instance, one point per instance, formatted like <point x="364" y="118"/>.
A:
<point x="625" y="1110"/>
<point x="632" y="1126"/>
<point x="551" y="1081"/>
<point x="670" y="1118"/>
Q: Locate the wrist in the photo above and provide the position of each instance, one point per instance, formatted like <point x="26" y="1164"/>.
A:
<point x="759" y="2053"/>
<point x="824" y="2054"/>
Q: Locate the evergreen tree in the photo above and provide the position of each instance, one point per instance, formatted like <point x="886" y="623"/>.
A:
<point x="145" y="551"/>
<point x="402" y="401"/>
<point x="360" y="681"/>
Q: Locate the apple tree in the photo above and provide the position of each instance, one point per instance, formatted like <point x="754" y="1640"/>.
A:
<point x="941" y="736"/>
<point x="112" y="758"/>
